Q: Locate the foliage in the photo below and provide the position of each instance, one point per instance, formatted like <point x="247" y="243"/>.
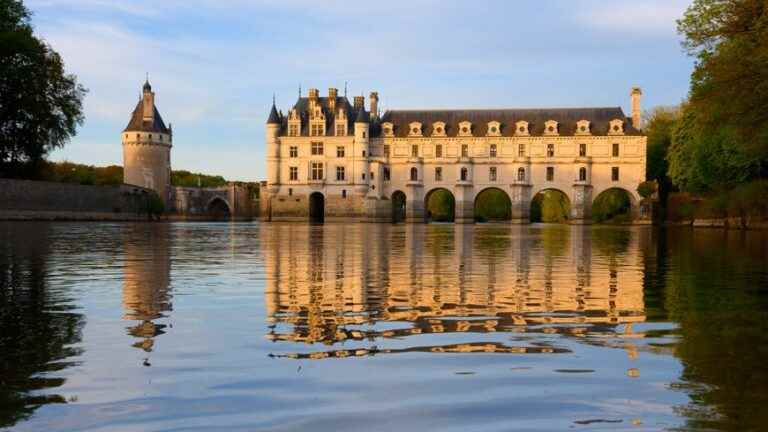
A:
<point x="660" y="122"/>
<point x="611" y="205"/>
<point x="40" y="104"/>
<point x="190" y="179"/>
<point x="492" y="204"/>
<point x="646" y="189"/>
<point x="440" y="206"/>
<point x="155" y="206"/>
<point x="68" y="172"/>
<point x="550" y="206"/>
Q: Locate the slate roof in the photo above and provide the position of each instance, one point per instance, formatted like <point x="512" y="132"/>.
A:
<point x="274" y="118"/>
<point x="302" y="106"/>
<point x="599" y="119"/>
<point x="137" y="123"/>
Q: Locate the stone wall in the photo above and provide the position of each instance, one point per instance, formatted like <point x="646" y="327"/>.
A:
<point x="193" y="203"/>
<point x="36" y="200"/>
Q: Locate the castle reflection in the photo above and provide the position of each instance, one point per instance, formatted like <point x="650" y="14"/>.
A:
<point x="335" y="284"/>
<point x="146" y="281"/>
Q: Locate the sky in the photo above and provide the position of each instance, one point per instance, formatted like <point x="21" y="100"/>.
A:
<point x="215" y="64"/>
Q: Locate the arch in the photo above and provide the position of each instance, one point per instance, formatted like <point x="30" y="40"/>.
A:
<point x="439" y="205"/>
<point x="218" y="209"/>
<point x="398" y="206"/>
<point x="492" y="204"/>
<point x="316" y="207"/>
<point x="550" y="205"/>
<point x="613" y="204"/>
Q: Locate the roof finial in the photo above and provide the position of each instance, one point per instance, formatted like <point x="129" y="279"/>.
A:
<point x="345" y="89"/>
<point x="299" y="90"/>
<point x="273" y="98"/>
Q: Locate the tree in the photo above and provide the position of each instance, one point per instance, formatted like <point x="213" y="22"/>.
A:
<point x="40" y="104"/>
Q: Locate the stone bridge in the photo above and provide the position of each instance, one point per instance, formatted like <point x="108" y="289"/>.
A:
<point x="231" y="202"/>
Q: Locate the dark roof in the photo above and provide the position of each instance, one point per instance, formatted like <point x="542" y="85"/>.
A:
<point x="302" y="106"/>
<point x="274" y="118"/>
<point x="362" y="116"/>
<point x="137" y="123"/>
<point x="599" y="119"/>
<point x="147" y="87"/>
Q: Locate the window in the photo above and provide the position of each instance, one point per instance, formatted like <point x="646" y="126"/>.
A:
<point x="363" y="176"/>
<point x="615" y="151"/>
<point x="340" y="130"/>
<point x="582" y="150"/>
<point x="582" y="174"/>
<point x="344" y="193"/>
<point x="550" y="150"/>
<point x="317" y="130"/>
<point x="340" y="151"/>
<point x="363" y="153"/>
<point x="439" y="174"/>
<point x="294" y="173"/>
<point x="415" y="150"/>
<point x="464" y="150"/>
<point x="317" y="170"/>
<point x="438" y="151"/>
<point x="317" y="148"/>
<point x="492" y="151"/>
<point x="386" y="150"/>
<point x="371" y="175"/>
<point x="492" y="174"/>
<point x="521" y="174"/>
<point x="290" y="191"/>
<point x="521" y="150"/>
<point x="464" y="174"/>
<point x="340" y="173"/>
<point x="386" y="173"/>
<point x="414" y="174"/>
<point x="293" y="130"/>
<point x="294" y="151"/>
<point x="615" y="173"/>
<point x="550" y="173"/>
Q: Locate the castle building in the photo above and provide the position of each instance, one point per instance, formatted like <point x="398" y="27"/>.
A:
<point x="331" y="159"/>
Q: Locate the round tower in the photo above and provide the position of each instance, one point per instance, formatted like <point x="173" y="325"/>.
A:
<point x="362" y="140"/>
<point x="273" y="151"/>
<point x="147" y="146"/>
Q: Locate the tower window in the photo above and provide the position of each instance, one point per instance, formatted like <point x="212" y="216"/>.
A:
<point x="340" y="151"/>
<point x="294" y="173"/>
<point x="582" y="150"/>
<point x="439" y="174"/>
<point x="340" y="173"/>
<point x="414" y="174"/>
<point x="615" y="173"/>
<point x="317" y="171"/>
<point x="492" y="174"/>
<point x="293" y="151"/>
<point x="550" y="173"/>
<point x="550" y="150"/>
<point x="582" y="174"/>
<point x="521" y="174"/>
<point x="317" y="148"/>
<point x="615" y="151"/>
<point x="492" y="151"/>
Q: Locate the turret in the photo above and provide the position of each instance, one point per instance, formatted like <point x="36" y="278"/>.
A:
<point x="636" y="112"/>
<point x="273" y="150"/>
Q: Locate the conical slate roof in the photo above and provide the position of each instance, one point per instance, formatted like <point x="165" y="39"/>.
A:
<point x="137" y="123"/>
<point x="274" y="118"/>
<point x="362" y="116"/>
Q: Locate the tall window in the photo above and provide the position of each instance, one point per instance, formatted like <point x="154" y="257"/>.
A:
<point x="464" y="174"/>
<point x="340" y="151"/>
<point x="550" y="173"/>
<point x="317" y="129"/>
<point x="415" y="150"/>
<point x="344" y="193"/>
<point x="492" y="151"/>
<point x="294" y="151"/>
<point x="317" y="170"/>
<point x="439" y="151"/>
<point x="582" y="150"/>
<point x="317" y="148"/>
<point x="521" y="174"/>
<point x="550" y="150"/>
<point x="293" y="130"/>
<point x="386" y="174"/>
<point x="492" y="174"/>
<point x="340" y="173"/>
<point x="414" y="174"/>
<point x="615" y="150"/>
<point x="439" y="174"/>
<point x="294" y="173"/>
<point x="464" y="150"/>
<point x="582" y="174"/>
<point x="386" y="150"/>
<point x="615" y="173"/>
<point x="340" y="130"/>
<point x="521" y="150"/>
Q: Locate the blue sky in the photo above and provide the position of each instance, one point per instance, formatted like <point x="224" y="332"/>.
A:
<point x="214" y="64"/>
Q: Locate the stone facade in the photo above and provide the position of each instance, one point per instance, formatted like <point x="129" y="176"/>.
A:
<point x="352" y="162"/>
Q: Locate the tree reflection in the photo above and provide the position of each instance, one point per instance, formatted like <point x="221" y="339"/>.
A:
<point x="38" y="324"/>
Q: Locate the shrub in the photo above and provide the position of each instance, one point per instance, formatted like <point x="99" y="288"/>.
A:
<point x="610" y="204"/>
<point x="646" y="189"/>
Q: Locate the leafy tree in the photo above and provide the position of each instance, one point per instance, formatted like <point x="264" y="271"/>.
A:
<point x="440" y="206"/>
<point x="492" y="204"/>
<point x="40" y="104"/>
<point x="190" y="179"/>
<point x="613" y="204"/>
<point x="550" y="206"/>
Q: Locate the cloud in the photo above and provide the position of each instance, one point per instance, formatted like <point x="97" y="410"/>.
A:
<point x="646" y="18"/>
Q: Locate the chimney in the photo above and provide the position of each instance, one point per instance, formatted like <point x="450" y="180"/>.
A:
<point x="374" y="98"/>
<point x="359" y="102"/>
<point x="314" y="94"/>
<point x="636" y="113"/>
<point x="149" y="105"/>
<point x="332" y="95"/>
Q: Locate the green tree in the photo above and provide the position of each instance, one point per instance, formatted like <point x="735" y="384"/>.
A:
<point x="40" y="104"/>
<point x="440" y="206"/>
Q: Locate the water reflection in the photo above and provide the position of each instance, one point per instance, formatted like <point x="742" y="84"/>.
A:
<point x="334" y="284"/>
<point x="39" y="325"/>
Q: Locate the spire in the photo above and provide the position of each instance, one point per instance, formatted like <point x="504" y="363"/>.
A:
<point x="274" y="118"/>
<point x="147" y="87"/>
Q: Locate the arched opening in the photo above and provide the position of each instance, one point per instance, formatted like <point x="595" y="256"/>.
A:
<point x="521" y="174"/>
<point x="218" y="209"/>
<point x="550" y="206"/>
<point x="492" y="204"/>
<point x="582" y="174"/>
<point x="612" y="205"/>
<point x="398" y="206"/>
<point x="316" y="207"/>
<point x="440" y="206"/>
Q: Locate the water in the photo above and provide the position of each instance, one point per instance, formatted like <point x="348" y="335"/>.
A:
<point x="198" y="327"/>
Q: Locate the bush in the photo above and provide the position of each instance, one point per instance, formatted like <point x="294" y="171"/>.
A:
<point x="492" y="204"/>
<point x="646" y="189"/>
<point x="550" y="206"/>
<point x="440" y="206"/>
<point x="613" y="204"/>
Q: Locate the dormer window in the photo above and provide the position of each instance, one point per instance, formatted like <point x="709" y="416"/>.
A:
<point x="582" y="127"/>
<point x="521" y="128"/>
<point x="414" y="129"/>
<point x="550" y="127"/>
<point x="494" y="129"/>
<point x="465" y="128"/>
<point x="438" y="129"/>
<point x="317" y="129"/>
<point x="387" y="129"/>
<point x="616" y="127"/>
